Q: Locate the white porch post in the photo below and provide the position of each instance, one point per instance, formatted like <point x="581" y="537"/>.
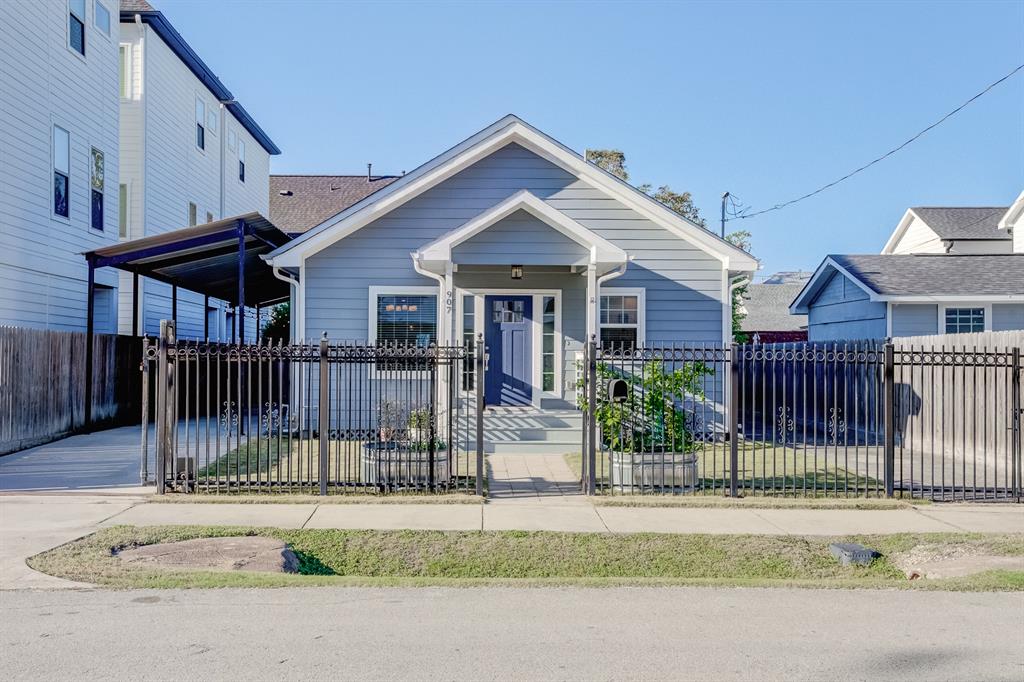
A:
<point x="592" y="301"/>
<point x="448" y="303"/>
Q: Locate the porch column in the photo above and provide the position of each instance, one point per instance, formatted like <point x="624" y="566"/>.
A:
<point x="90" y="328"/>
<point x="240" y="316"/>
<point x="448" y="301"/>
<point x="592" y="301"/>
<point x="135" y="304"/>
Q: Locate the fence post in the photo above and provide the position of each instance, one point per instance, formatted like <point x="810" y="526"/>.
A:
<point x="324" y="414"/>
<point x="889" y="421"/>
<point x="166" y="407"/>
<point x="733" y="417"/>
<point x="590" y="466"/>
<point x="1015" y="416"/>
<point x="144" y="367"/>
<point x="479" y="386"/>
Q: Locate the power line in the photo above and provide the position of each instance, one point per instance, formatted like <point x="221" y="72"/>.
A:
<point x="889" y="153"/>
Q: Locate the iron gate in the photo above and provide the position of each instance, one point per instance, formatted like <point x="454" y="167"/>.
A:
<point x="314" y="417"/>
<point x="848" y="419"/>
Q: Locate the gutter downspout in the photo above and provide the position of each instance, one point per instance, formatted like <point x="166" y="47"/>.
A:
<point x="140" y="310"/>
<point x="441" y="285"/>
<point x="606" y="277"/>
<point x="294" y="283"/>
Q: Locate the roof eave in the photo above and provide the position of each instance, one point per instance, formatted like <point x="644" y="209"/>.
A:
<point x="198" y="67"/>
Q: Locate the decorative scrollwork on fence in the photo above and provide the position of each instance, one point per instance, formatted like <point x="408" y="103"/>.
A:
<point x="229" y="417"/>
<point x="785" y="425"/>
<point x="836" y="424"/>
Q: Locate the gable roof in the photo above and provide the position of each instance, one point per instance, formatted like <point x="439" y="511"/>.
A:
<point x="1013" y="214"/>
<point x="952" y="223"/>
<point x="601" y="250"/>
<point x="962" y="222"/>
<point x="495" y="136"/>
<point x="767" y="308"/>
<point x="922" y="277"/>
<point x="163" y="28"/>
<point x="301" y="202"/>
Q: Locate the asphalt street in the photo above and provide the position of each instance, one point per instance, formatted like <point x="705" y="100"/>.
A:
<point x="506" y="633"/>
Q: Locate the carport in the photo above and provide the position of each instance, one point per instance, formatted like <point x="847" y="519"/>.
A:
<point x="220" y="260"/>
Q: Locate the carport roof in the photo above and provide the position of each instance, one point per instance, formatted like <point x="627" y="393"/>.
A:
<point x="206" y="258"/>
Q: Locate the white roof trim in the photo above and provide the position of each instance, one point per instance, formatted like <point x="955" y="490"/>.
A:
<point x="1013" y="214"/>
<point x="601" y="250"/>
<point x="901" y="229"/>
<point x="506" y="131"/>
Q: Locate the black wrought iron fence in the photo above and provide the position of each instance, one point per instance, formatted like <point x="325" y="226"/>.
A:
<point x="847" y="419"/>
<point x="313" y="417"/>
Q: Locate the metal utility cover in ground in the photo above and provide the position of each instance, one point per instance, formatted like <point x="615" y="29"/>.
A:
<point x="851" y="553"/>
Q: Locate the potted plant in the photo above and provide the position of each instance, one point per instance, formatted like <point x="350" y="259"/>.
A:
<point x="649" y="434"/>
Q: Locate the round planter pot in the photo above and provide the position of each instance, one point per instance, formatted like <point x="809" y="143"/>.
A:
<point x="397" y="465"/>
<point x="670" y="471"/>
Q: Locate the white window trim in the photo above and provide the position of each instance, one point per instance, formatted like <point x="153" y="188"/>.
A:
<point x="536" y="336"/>
<point x="189" y="218"/>
<point x="371" y="314"/>
<point x="93" y="148"/>
<point x="195" y="122"/>
<point x="53" y="168"/>
<point x="641" y="311"/>
<point x="986" y="308"/>
<point x="240" y="158"/>
<point x="127" y="210"/>
<point x="128" y="70"/>
<point x="95" y="16"/>
<point x="85" y="27"/>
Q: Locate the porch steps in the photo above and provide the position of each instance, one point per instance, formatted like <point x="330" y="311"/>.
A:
<point x="528" y="430"/>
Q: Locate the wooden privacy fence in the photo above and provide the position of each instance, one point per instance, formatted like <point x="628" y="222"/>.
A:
<point x="42" y="384"/>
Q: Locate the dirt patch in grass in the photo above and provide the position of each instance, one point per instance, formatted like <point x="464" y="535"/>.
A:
<point x="527" y="558"/>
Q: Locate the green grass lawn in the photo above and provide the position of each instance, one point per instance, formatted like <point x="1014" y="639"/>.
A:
<point x="765" y="470"/>
<point x="292" y="467"/>
<point x="527" y="558"/>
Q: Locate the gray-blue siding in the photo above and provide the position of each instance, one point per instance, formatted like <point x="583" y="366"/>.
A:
<point x="842" y="311"/>
<point x="520" y="239"/>
<point x="1007" y="316"/>
<point x="683" y="283"/>
<point x="915" y="319"/>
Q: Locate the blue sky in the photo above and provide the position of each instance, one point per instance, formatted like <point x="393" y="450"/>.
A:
<point x="767" y="101"/>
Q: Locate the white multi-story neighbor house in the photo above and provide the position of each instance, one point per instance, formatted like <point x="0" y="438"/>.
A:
<point x="113" y="129"/>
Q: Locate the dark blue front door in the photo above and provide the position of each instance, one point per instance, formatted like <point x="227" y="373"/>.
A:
<point x="507" y="335"/>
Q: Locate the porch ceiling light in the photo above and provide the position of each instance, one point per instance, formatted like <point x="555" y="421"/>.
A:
<point x="517" y="272"/>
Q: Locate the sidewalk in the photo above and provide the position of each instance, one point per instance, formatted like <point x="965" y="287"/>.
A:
<point x="33" y="523"/>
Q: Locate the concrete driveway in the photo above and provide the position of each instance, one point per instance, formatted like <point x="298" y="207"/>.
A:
<point x="105" y="460"/>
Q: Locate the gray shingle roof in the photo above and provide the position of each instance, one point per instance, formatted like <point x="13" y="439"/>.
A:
<point x="315" y="198"/>
<point x="937" y="275"/>
<point x="981" y="222"/>
<point x="767" y="308"/>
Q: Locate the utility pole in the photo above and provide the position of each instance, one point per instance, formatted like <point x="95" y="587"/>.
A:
<point x="725" y="198"/>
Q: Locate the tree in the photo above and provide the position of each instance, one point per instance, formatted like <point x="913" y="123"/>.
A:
<point x="278" y="324"/>
<point x="611" y="160"/>
<point x="742" y="239"/>
<point x="614" y="161"/>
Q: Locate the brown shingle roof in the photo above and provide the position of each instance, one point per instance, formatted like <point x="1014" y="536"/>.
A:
<point x="301" y="202"/>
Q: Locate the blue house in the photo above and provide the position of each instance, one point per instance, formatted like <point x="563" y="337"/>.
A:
<point x="944" y="270"/>
<point x="878" y="296"/>
<point x="512" y="235"/>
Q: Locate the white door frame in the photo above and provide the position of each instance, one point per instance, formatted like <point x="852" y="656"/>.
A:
<point x="536" y="326"/>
